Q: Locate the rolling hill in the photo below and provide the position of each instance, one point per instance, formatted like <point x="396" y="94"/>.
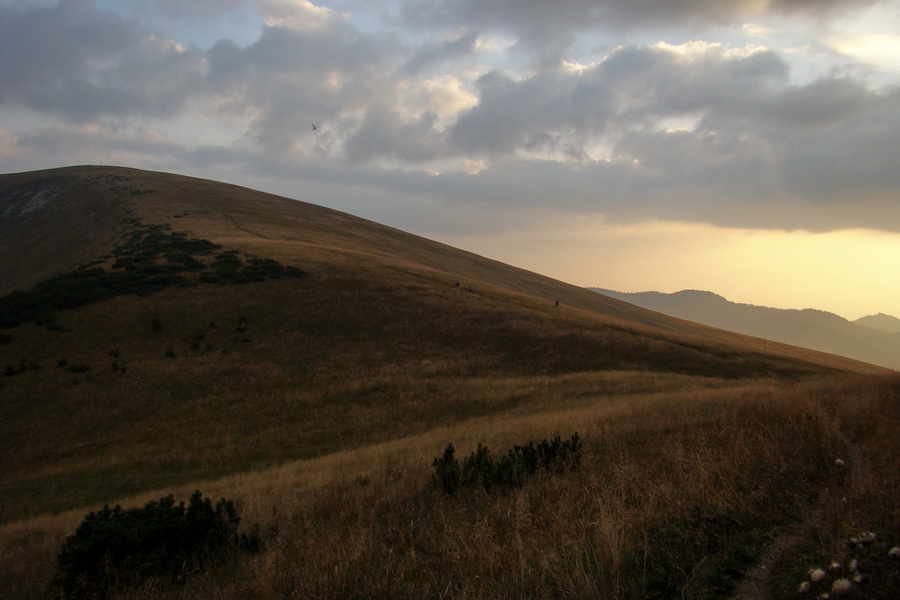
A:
<point x="161" y="332"/>
<point x="869" y="339"/>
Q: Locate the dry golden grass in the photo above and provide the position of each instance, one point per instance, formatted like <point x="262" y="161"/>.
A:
<point x="678" y="496"/>
<point x="264" y="373"/>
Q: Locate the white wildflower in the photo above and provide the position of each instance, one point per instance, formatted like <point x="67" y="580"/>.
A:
<point x="867" y="538"/>
<point x="816" y="575"/>
<point x="841" y="586"/>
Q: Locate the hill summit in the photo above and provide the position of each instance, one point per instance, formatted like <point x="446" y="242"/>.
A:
<point x="880" y="322"/>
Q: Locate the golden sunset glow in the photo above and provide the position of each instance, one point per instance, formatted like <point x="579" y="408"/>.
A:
<point x="845" y="272"/>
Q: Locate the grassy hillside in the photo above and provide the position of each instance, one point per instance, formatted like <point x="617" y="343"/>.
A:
<point x="319" y="401"/>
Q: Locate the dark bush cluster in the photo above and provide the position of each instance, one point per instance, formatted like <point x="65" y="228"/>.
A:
<point x="114" y="548"/>
<point x="151" y="260"/>
<point x="78" y="288"/>
<point x="23" y="367"/>
<point x="481" y="470"/>
<point x="156" y="241"/>
<point x="228" y="268"/>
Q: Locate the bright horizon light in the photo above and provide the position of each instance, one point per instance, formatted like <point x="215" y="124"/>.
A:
<point x="777" y="269"/>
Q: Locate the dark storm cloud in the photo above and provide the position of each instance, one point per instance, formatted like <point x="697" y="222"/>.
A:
<point x="74" y="60"/>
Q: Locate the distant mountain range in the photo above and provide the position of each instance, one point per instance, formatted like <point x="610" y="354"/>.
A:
<point x="881" y="322"/>
<point x="874" y="339"/>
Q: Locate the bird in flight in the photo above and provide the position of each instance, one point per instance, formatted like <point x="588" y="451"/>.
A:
<point x="314" y="127"/>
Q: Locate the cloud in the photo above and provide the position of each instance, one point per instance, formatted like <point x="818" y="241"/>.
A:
<point x="432" y="54"/>
<point x="537" y="23"/>
<point x="196" y="9"/>
<point x="299" y="15"/>
<point x="59" y="145"/>
<point x="706" y="131"/>
<point x="383" y="134"/>
<point x="512" y="114"/>
<point x="853" y="156"/>
<point x="9" y="147"/>
<point x="290" y="78"/>
<point x="632" y="89"/>
<point x="74" y="60"/>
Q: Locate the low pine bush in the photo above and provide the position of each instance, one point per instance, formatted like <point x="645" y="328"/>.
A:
<point x="480" y="470"/>
<point x="114" y="548"/>
<point x="447" y="471"/>
<point x="152" y="260"/>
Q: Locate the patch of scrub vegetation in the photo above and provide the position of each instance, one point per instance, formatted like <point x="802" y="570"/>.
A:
<point x="114" y="549"/>
<point x="480" y="470"/>
<point x="152" y="259"/>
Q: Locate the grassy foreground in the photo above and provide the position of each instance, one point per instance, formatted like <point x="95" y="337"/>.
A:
<point x="679" y="495"/>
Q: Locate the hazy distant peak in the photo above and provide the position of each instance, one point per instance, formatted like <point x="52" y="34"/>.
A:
<point x="881" y="322"/>
<point x="870" y="339"/>
<point x="699" y="294"/>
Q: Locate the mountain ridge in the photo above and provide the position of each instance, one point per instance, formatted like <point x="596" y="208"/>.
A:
<point x="811" y="328"/>
<point x="881" y="322"/>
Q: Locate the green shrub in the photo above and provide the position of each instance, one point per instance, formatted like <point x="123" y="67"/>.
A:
<point x="114" y="548"/>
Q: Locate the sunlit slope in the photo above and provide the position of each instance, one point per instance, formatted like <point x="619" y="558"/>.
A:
<point x="377" y="342"/>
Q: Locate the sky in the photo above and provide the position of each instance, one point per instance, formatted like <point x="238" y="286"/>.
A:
<point x="750" y="148"/>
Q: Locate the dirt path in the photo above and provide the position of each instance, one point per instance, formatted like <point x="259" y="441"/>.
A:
<point x="757" y="584"/>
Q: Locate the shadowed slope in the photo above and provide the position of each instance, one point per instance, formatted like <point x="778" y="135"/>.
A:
<point x="50" y="221"/>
